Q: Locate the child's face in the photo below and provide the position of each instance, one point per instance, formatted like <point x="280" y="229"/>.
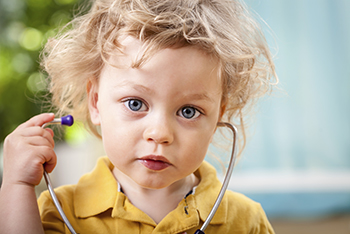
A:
<point x="157" y="120"/>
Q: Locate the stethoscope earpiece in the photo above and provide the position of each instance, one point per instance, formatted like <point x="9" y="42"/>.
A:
<point x="67" y="120"/>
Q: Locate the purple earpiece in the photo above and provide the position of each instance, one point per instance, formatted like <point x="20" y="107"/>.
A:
<point x="67" y="120"/>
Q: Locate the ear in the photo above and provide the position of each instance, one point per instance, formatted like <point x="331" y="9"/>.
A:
<point x="222" y="111"/>
<point x="92" y="92"/>
<point x="221" y="114"/>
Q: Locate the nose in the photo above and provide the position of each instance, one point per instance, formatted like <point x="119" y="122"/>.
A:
<point x="159" y="131"/>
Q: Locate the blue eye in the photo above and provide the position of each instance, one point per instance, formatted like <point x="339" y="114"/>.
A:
<point x="135" y="105"/>
<point x="189" y="112"/>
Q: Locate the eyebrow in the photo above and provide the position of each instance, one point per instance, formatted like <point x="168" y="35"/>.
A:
<point x="199" y="96"/>
<point x="141" y="88"/>
<point x="137" y="87"/>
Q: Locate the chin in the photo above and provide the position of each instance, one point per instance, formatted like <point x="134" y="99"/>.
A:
<point x="153" y="182"/>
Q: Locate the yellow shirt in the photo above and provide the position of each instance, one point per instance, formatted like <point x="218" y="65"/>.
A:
<point x="95" y="205"/>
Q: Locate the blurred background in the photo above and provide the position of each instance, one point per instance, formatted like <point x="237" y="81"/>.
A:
<point x="297" y="160"/>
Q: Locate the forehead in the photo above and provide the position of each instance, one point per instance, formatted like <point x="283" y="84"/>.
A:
<point x="132" y="50"/>
<point x="178" y="66"/>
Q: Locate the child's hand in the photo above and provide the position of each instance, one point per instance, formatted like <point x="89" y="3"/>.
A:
<point x="27" y="149"/>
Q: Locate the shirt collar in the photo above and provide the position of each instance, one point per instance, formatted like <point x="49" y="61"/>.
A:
<point x="100" y="187"/>
<point x="207" y="192"/>
<point x="96" y="191"/>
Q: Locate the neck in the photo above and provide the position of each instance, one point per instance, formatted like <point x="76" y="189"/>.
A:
<point x="156" y="203"/>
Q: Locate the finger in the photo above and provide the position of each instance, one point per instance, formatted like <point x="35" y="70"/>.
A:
<point x="49" y="167"/>
<point x="49" y="130"/>
<point x="35" y="133"/>
<point x="43" y="155"/>
<point x="50" y="161"/>
<point x="39" y="141"/>
<point x="38" y="120"/>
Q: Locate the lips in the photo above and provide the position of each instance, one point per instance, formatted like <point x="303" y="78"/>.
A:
<point x="155" y="162"/>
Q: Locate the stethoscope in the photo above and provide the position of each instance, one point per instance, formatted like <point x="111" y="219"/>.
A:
<point x="68" y="121"/>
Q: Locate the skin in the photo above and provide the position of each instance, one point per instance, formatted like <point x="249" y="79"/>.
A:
<point x="173" y="81"/>
<point x="26" y="150"/>
<point x="180" y="98"/>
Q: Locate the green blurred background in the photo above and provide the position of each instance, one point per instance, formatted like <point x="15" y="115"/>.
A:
<point x="25" y="26"/>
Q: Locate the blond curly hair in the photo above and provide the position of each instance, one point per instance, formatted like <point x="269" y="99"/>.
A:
<point x="222" y="28"/>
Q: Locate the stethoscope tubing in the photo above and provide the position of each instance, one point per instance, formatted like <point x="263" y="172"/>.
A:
<point x="215" y="206"/>
<point x="57" y="203"/>
<point x="226" y="179"/>
<point x="50" y="187"/>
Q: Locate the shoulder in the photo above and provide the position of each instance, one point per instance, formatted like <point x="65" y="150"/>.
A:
<point x="237" y="213"/>
<point x="246" y="214"/>
<point x="65" y="195"/>
<point x="241" y="203"/>
<point x="50" y="217"/>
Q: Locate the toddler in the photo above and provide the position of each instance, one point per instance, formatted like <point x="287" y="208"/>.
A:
<point x="152" y="79"/>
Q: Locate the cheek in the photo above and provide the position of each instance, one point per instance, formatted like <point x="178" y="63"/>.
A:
<point x="198" y="147"/>
<point x="113" y="137"/>
<point x="119" y="138"/>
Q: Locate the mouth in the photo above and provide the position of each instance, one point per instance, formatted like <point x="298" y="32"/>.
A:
<point x="155" y="162"/>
